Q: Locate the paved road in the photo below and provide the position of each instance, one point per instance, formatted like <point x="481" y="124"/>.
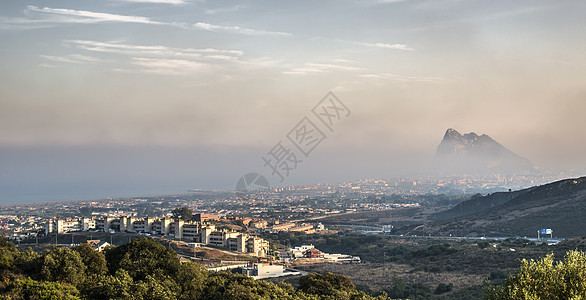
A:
<point x="371" y="230"/>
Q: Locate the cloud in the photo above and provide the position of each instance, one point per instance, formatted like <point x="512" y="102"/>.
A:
<point x="47" y="15"/>
<point x="377" y="2"/>
<point x="44" y="65"/>
<point x="237" y="29"/>
<point x="20" y="24"/>
<point x="387" y="1"/>
<point x="152" y="59"/>
<point x="157" y="59"/>
<point x="334" y="67"/>
<point x="74" y="58"/>
<point x="304" y="71"/>
<point x="384" y="45"/>
<point x="224" y="9"/>
<point x="169" y="66"/>
<point x="129" y="49"/>
<point x="62" y="15"/>
<point x="379" y="45"/>
<point x="175" y="2"/>
<point x="320" y="68"/>
<point x="403" y="78"/>
<point x="222" y="57"/>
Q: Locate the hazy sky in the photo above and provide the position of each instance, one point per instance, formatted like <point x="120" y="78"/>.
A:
<point x="166" y="95"/>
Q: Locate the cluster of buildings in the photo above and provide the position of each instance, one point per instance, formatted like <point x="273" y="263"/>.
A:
<point x="195" y="231"/>
<point x="309" y="251"/>
<point x="288" y="226"/>
<point x="306" y="228"/>
<point x="267" y="270"/>
<point x="19" y="227"/>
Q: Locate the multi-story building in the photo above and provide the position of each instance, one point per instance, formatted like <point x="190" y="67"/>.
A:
<point x="257" y="246"/>
<point x="191" y="232"/>
<point x="66" y="226"/>
<point x="201" y="217"/>
<point x="61" y="226"/>
<point x="179" y="229"/>
<point x="88" y="224"/>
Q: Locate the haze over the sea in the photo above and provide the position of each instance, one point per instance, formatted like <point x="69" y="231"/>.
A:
<point x="134" y="97"/>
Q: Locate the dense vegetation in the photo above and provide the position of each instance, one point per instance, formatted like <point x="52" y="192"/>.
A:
<point x="425" y="268"/>
<point x="545" y="279"/>
<point x="144" y="269"/>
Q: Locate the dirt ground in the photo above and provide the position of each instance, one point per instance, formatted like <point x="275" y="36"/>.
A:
<point x="371" y="275"/>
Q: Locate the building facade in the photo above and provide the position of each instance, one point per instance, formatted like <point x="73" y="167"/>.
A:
<point x="178" y="229"/>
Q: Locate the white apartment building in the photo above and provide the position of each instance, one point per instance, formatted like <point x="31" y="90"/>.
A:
<point x="189" y="232"/>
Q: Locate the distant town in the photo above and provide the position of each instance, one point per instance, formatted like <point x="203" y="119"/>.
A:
<point x="281" y="207"/>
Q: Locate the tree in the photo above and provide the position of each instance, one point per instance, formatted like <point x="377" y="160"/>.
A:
<point x="483" y="244"/>
<point x="443" y="288"/>
<point x="8" y="252"/>
<point x="94" y="261"/>
<point x="183" y="213"/>
<point x="545" y="279"/>
<point x="328" y="284"/>
<point x="142" y="257"/>
<point x="31" y="289"/>
<point x="400" y="289"/>
<point x="117" y="286"/>
<point x="27" y="262"/>
<point x="191" y="278"/>
<point x="143" y="269"/>
<point x="226" y="285"/>
<point x="63" y="265"/>
<point x="155" y="288"/>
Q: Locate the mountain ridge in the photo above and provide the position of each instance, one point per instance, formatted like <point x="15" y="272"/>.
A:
<point x="473" y="153"/>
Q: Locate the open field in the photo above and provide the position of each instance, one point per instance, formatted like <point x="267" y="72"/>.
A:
<point x="425" y="264"/>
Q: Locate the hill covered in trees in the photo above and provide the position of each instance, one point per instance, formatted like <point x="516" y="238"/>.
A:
<point x="144" y="269"/>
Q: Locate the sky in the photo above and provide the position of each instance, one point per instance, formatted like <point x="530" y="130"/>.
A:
<point x="139" y="97"/>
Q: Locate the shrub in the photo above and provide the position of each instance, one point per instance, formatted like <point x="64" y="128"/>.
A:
<point x="483" y="244"/>
<point x="443" y="288"/>
<point x="545" y="279"/>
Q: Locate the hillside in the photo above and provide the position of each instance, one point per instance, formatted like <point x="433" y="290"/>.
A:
<point x="560" y="206"/>
<point x="478" y="203"/>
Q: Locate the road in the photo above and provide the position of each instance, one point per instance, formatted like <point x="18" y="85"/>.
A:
<point x="379" y="231"/>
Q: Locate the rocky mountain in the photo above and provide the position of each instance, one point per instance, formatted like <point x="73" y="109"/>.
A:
<point x="472" y="153"/>
<point x="560" y="205"/>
